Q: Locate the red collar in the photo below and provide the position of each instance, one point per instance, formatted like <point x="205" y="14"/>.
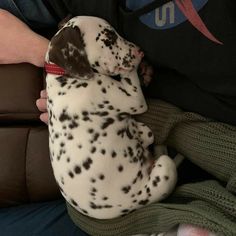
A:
<point x="54" y="69"/>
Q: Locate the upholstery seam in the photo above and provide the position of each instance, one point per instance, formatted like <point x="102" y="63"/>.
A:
<point x="26" y="148"/>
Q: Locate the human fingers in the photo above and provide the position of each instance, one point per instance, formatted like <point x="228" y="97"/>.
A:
<point x="44" y="117"/>
<point x="43" y="94"/>
<point x="41" y="103"/>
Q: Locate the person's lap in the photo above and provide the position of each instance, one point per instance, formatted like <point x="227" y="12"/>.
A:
<point x="41" y="219"/>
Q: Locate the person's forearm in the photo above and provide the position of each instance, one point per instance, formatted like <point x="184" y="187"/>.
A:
<point x="38" y="51"/>
<point x="19" y="43"/>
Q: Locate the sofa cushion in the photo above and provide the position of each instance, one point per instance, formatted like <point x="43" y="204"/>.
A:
<point x="20" y="87"/>
<point x="26" y="174"/>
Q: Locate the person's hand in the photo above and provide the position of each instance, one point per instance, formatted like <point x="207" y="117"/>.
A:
<point x="146" y="72"/>
<point x="42" y="106"/>
<point x="19" y="43"/>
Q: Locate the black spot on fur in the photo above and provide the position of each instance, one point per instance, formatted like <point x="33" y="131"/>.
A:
<point x="124" y="91"/>
<point x="130" y="151"/>
<point x="84" y="211"/>
<point x="100" y="113"/>
<point x="93" y="150"/>
<point x="107" y="206"/>
<point x="110" y="107"/>
<point x="94" y="206"/>
<point x="128" y="80"/>
<point x="62" y="80"/>
<point x="166" y="177"/>
<point x="156" y="181"/>
<point x="135" y="180"/>
<point x="77" y="170"/>
<point x="140" y="174"/>
<point x="90" y="130"/>
<point x="120" y="168"/>
<point x="108" y="122"/>
<point x="87" y="163"/>
<point x="74" y="202"/>
<point x="64" y="116"/>
<point x="70" y="137"/>
<point x="125" y="211"/>
<point x="85" y="113"/>
<point x="126" y="189"/>
<point x="73" y="125"/>
<point x="104" y="90"/>
<point x="100" y="105"/>
<point x="113" y="154"/>
<point x="94" y="190"/>
<point x="133" y="109"/>
<point x="71" y="174"/>
<point x="143" y="202"/>
<point x="101" y="177"/>
<point x="86" y="118"/>
<point x="84" y="85"/>
<point x="110" y="37"/>
<point x="95" y="137"/>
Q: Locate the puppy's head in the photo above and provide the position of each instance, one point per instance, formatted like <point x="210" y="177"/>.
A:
<point x="89" y="44"/>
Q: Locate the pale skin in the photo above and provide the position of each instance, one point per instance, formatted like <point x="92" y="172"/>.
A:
<point x="19" y="43"/>
<point x="31" y="48"/>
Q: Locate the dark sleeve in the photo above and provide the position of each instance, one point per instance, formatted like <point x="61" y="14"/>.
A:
<point x="106" y="9"/>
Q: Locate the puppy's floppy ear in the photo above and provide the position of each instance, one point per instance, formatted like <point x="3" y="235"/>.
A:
<point x="64" y="21"/>
<point x="67" y="50"/>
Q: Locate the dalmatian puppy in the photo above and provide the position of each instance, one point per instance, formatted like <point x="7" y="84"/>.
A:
<point x="99" y="153"/>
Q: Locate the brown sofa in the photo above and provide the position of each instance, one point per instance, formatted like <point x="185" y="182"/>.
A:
<point x="25" y="174"/>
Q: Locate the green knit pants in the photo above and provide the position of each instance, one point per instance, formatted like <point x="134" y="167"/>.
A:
<point x="209" y="204"/>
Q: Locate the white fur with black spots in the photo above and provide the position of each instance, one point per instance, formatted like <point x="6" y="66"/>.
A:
<point x="99" y="153"/>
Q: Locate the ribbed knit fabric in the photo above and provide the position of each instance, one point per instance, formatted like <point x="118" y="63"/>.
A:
<point x="208" y="144"/>
<point x="205" y="204"/>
